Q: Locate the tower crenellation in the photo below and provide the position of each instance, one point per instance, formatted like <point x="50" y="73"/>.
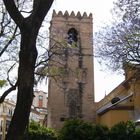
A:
<point x="66" y="14"/>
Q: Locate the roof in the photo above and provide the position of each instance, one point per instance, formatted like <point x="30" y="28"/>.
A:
<point x="110" y="106"/>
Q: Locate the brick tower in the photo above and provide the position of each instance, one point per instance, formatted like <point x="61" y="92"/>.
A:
<point x="71" y="86"/>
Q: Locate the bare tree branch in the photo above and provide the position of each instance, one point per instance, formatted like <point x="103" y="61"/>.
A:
<point x="9" y="42"/>
<point x="14" y="12"/>
<point x="7" y="92"/>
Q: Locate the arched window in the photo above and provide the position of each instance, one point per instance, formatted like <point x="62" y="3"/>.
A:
<point x="72" y="37"/>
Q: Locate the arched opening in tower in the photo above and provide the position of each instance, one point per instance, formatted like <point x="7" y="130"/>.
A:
<point x="72" y="37"/>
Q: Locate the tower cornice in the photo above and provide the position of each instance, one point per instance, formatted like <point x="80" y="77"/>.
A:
<point x="77" y="15"/>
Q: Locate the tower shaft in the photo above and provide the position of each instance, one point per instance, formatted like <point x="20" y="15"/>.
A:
<point x="71" y="86"/>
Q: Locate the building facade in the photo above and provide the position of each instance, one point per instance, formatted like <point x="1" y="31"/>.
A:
<point x="71" y="86"/>
<point x="40" y="105"/>
<point x="123" y="103"/>
<point x="40" y="99"/>
<point x="6" y="112"/>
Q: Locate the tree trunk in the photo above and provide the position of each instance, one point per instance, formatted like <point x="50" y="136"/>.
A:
<point x="29" y="28"/>
<point x="27" y="59"/>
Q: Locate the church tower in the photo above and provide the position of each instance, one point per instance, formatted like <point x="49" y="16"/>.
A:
<point x="71" y="86"/>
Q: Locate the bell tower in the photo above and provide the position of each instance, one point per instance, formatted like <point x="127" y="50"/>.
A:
<point x="71" y="86"/>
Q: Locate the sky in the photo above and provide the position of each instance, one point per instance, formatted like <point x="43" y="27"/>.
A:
<point x="105" y="81"/>
<point x="99" y="8"/>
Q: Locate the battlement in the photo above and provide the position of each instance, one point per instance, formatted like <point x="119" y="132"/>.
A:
<point x="72" y="15"/>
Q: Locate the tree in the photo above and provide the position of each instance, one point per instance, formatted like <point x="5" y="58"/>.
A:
<point x="8" y="48"/>
<point x="38" y="132"/>
<point x="29" y="27"/>
<point x="9" y="42"/>
<point x="8" y="30"/>
<point x="119" y="43"/>
<point x="123" y="131"/>
<point x="75" y="129"/>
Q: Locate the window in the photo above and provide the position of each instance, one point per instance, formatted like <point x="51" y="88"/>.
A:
<point x="40" y="103"/>
<point x="72" y="37"/>
<point x="10" y="112"/>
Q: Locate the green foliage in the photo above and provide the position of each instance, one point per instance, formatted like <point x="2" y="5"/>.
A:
<point x="38" y="132"/>
<point x="123" y="131"/>
<point x="137" y="134"/>
<point x="75" y="129"/>
<point x="101" y="132"/>
<point x="130" y="126"/>
<point x="51" y="71"/>
<point x="2" y="83"/>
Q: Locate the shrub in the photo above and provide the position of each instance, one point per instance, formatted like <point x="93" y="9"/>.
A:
<point x="75" y="129"/>
<point x="137" y="134"/>
<point x="101" y="132"/>
<point x="38" y="132"/>
<point x="123" y="131"/>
